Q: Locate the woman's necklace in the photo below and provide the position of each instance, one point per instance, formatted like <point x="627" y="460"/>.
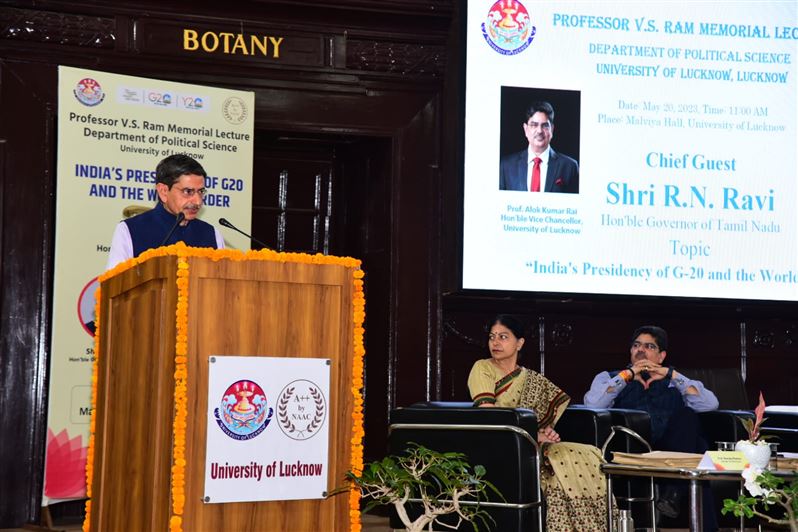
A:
<point x="503" y="368"/>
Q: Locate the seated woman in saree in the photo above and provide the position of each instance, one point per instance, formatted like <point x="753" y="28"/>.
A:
<point x="573" y="486"/>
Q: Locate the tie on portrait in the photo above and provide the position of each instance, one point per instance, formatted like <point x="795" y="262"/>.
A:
<point x="535" y="187"/>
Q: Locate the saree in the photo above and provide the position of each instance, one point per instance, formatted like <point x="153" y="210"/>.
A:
<point x="573" y="486"/>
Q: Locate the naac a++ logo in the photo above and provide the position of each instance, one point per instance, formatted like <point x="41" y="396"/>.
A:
<point x="88" y="92"/>
<point x="243" y="412"/>
<point x="301" y="410"/>
<point x="234" y="110"/>
<point x="508" y="28"/>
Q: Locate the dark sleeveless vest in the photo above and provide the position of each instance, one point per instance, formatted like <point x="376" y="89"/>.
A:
<point x="660" y="401"/>
<point x="148" y="229"/>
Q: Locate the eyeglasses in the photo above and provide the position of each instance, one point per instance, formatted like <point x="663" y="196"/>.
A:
<point x="501" y="336"/>
<point x="545" y="126"/>
<point x="189" y="192"/>
<point x="648" y="346"/>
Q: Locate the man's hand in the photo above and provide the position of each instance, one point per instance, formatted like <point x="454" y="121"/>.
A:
<point x="647" y="372"/>
<point x="548" y="435"/>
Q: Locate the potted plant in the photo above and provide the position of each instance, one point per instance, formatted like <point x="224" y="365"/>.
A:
<point x="755" y="448"/>
<point x="439" y="481"/>
<point x="766" y="491"/>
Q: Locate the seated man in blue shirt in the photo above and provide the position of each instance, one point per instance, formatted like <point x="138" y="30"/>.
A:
<point x="670" y="398"/>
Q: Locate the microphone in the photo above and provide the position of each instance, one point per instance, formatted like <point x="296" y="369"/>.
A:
<point x="224" y="222"/>
<point x="180" y="218"/>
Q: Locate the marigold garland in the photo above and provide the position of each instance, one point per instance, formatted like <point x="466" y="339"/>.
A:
<point x="358" y="317"/>
<point x="180" y="396"/>
<point x="183" y="252"/>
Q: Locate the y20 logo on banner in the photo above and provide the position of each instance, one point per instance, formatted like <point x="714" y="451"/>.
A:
<point x="88" y="92"/>
<point x="195" y="103"/>
<point x="508" y="28"/>
<point x="301" y="410"/>
<point x="243" y="412"/>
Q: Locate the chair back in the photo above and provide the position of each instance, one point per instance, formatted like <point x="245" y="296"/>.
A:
<point x="781" y="422"/>
<point x="581" y="424"/>
<point x="503" y="440"/>
<point x="726" y="383"/>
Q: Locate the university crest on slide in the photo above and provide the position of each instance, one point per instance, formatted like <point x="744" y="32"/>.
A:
<point x="244" y="411"/>
<point x="88" y="92"/>
<point x="508" y="28"/>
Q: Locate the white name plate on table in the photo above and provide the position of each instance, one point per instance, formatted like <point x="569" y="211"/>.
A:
<point x="723" y="461"/>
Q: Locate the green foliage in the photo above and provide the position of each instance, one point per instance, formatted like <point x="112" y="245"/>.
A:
<point x="777" y="494"/>
<point x="442" y="481"/>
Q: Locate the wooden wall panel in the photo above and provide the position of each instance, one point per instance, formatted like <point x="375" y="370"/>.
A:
<point x="579" y="341"/>
<point x="27" y="136"/>
<point x="412" y="284"/>
<point x="772" y="360"/>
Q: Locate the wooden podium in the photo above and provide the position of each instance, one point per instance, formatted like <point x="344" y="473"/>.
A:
<point x="161" y="316"/>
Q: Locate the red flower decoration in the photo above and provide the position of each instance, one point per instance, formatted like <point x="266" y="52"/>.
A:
<point x="752" y="427"/>
<point x="66" y="466"/>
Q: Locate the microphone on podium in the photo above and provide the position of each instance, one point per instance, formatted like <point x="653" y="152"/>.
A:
<point x="180" y="218"/>
<point x="226" y="223"/>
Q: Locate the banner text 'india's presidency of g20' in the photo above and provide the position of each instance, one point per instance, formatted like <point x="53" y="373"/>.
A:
<point x="686" y="148"/>
<point x="112" y="132"/>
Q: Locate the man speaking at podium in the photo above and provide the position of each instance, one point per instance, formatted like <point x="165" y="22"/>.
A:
<point x="180" y="183"/>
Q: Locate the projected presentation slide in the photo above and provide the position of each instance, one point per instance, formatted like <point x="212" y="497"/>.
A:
<point x="644" y="148"/>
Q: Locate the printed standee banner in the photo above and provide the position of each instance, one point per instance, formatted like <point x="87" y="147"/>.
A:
<point x="268" y="429"/>
<point x="112" y="132"/>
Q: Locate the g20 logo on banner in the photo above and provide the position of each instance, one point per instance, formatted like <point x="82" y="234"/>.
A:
<point x="508" y="29"/>
<point x="162" y="99"/>
<point x="88" y="92"/>
<point x="301" y="410"/>
<point x="244" y="411"/>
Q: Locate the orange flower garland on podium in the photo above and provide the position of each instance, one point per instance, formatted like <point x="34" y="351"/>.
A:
<point x="162" y="317"/>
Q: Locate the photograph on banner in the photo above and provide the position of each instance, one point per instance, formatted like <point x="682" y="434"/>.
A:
<point x="113" y="130"/>
<point x="268" y="429"/>
<point x="683" y="121"/>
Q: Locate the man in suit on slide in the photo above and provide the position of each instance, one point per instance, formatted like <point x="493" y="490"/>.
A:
<point x="539" y="168"/>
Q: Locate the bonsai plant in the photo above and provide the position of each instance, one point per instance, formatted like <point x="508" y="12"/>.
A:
<point x="766" y="491"/>
<point x="440" y="481"/>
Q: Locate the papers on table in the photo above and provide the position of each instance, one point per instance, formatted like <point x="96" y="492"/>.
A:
<point x="658" y="458"/>
<point x="718" y="460"/>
